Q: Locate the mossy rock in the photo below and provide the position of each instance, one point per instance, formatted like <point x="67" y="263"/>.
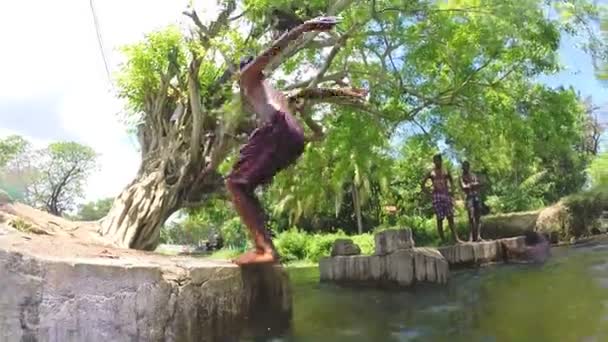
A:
<point x="555" y="222"/>
<point x="574" y="216"/>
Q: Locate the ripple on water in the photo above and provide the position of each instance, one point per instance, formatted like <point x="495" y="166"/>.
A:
<point x="443" y="308"/>
<point x="406" y="334"/>
<point x="603" y="282"/>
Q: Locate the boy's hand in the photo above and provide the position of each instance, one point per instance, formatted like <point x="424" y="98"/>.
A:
<point x="322" y="23"/>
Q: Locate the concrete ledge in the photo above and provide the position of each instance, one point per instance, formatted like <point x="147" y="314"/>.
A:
<point x="479" y="253"/>
<point x="62" y="291"/>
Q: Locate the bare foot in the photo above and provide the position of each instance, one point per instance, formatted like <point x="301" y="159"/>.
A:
<point x="256" y="257"/>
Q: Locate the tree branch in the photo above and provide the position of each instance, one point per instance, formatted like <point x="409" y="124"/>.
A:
<point x="334" y="95"/>
<point x="331" y="77"/>
<point x="332" y="54"/>
<point x="306" y="38"/>
<point x="197" y="113"/>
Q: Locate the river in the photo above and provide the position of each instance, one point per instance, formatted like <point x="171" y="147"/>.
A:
<point x="564" y="300"/>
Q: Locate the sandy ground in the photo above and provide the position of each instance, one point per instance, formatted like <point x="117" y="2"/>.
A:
<point x="53" y="237"/>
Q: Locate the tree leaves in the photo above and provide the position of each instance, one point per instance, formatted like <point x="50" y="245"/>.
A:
<point x="52" y="178"/>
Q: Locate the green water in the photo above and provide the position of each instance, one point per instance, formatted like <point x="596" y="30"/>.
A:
<point x="564" y="300"/>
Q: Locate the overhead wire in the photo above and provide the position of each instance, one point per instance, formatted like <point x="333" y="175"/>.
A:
<point x="100" y="42"/>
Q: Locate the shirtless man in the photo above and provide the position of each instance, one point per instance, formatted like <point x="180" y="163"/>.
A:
<point x="442" y="198"/>
<point x="276" y="144"/>
<point x="470" y="185"/>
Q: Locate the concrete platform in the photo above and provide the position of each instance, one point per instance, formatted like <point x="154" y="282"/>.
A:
<point x="58" y="289"/>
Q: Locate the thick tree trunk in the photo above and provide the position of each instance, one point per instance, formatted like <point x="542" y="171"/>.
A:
<point x="139" y="212"/>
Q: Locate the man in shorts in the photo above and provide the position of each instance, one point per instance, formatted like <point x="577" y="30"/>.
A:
<point x="442" y="198"/>
<point x="470" y="185"/>
<point x="276" y="144"/>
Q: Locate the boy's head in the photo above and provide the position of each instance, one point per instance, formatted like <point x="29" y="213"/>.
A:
<point x="437" y="160"/>
<point x="466" y="166"/>
<point x="245" y="61"/>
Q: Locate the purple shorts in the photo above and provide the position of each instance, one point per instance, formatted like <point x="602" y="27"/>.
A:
<point x="442" y="203"/>
<point x="271" y="148"/>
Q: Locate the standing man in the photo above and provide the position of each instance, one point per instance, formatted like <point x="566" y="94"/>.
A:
<point x="272" y="147"/>
<point x="470" y="185"/>
<point x="442" y="198"/>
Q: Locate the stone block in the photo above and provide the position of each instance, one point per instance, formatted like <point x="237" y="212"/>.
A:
<point x="472" y="253"/>
<point x="430" y="266"/>
<point x="345" y="247"/>
<point x="516" y="243"/>
<point x="400" y="267"/>
<point x="389" y="241"/>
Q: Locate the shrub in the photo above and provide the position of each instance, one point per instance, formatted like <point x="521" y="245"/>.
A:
<point x="295" y="245"/>
<point x="585" y="208"/>
<point x="292" y="245"/>
<point x="234" y="234"/>
<point x="320" y="246"/>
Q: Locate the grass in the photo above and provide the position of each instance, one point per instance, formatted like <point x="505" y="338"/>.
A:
<point x="21" y="225"/>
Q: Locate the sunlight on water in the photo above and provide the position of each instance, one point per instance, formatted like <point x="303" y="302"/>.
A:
<point x="564" y="300"/>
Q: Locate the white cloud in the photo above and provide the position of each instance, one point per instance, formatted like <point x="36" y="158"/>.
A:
<point x="51" y="47"/>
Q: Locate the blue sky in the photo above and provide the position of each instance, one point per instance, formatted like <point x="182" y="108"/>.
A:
<point x="579" y="74"/>
<point x="55" y="87"/>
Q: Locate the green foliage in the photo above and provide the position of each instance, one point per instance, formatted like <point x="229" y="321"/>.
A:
<point x="295" y="245"/>
<point x="10" y="148"/>
<point x="94" y="210"/>
<point x="15" y="169"/>
<point x="234" y="233"/>
<point x="598" y="170"/>
<point x="146" y="62"/>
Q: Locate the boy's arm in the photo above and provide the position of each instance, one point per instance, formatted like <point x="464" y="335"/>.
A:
<point x="253" y="69"/>
<point x="423" y="186"/>
<point x="451" y="180"/>
<point x="463" y="184"/>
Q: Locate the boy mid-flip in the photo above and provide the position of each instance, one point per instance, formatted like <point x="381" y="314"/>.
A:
<point x="276" y="144"/>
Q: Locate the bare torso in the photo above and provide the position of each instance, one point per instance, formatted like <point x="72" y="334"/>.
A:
<point x="471" y="180"/>
<point x="440" y="180"/>
<point x="265" y="100"/>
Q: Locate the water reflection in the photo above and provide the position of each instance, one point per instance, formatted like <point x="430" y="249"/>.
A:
<point x="563" y="300"/>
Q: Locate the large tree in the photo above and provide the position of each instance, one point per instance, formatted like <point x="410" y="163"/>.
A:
<point x="422" y="61"/>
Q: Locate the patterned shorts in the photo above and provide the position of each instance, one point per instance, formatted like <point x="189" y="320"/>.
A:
<point x="271" y="148"/>
<point x="442" y="203"/>
<point x="474" y="203"/>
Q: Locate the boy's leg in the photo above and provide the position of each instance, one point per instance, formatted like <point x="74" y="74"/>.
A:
<point x="449" y="213"/>
<point x="453" y="229"/>
<point x="440" y="228"/>
<point x="254" y="166"/>
<point x="250" y="212"/>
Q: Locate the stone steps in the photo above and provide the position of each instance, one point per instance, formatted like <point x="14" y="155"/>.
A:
<point x="398" y="263"/>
